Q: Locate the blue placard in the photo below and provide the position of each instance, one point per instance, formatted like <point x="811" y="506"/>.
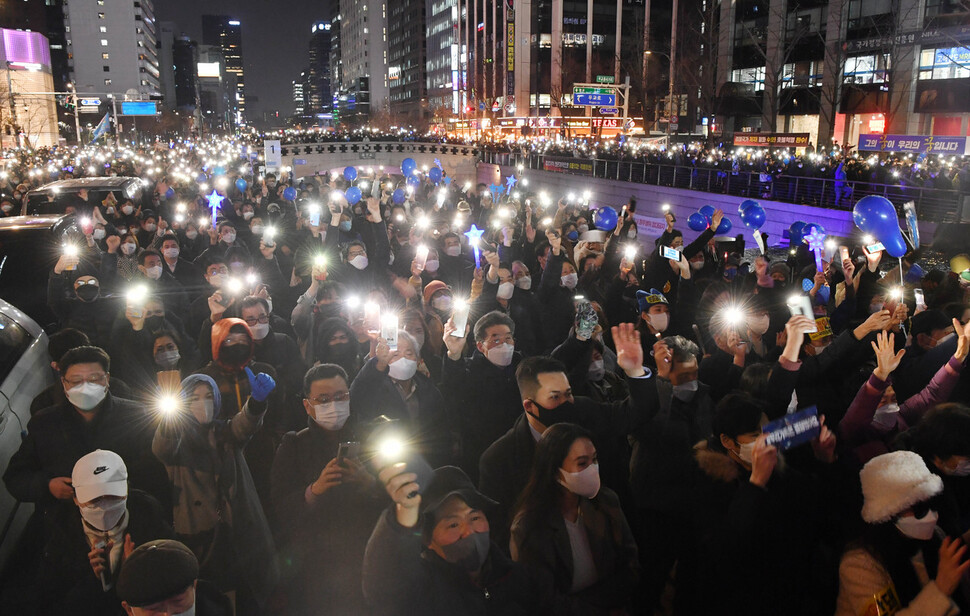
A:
<point x="139" y="108"/>
<point x="594" y="100"/>
<point x="793" y="429"/>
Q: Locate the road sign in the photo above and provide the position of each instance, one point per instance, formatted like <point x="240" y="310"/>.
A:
<point x="89" y="109"/>
<point x="88" y="102"/>
<point x="591" y="90"/>
<point x="609" y="110"/>
<point x="139" y="108"/>
<point x="594" y="100"/>
<point x="605" y="79"/>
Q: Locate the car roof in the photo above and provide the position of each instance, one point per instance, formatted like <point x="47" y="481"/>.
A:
<point x="14" y="223"/>
<point x="76" y="185"/>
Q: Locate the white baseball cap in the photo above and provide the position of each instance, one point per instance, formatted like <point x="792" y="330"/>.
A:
<point x="99" y="473"/>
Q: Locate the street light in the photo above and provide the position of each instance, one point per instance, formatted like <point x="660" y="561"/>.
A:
<point x="670" y="97"/>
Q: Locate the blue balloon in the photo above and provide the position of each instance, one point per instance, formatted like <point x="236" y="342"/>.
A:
<point x="753" y="216"/>
<point x="289" y="193"/>
<point x="877" y="216"/>
<point x="414" y="181"/>
<point x="241" y="185"/>
<point x="707" y="212"/>
<point x="746" y="204"/>
<point x="697" y="222"/>
<point x="201" y="178"/>
<point x="350" y="173"/>
<point x="398" y="196"/>
<point x="605" y="218"/>
<point x="169" y="193"/>
<point x="408" y="166"/>
<point x="807" y="229"/>
<point x="724" y="227"/>
<point x="353" y="195"/>
<point x="435" y="174"/>
<point x="797" y="228"/>
<point x="220" y="170"/>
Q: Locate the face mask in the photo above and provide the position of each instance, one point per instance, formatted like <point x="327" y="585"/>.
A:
<point x="570" y="280"/>
<point x="88" y="292"/>
<point x="696" y="265"/>
<point x="257" y="229"/>
<point x="918" y="528"/>
<point x="759" y="325"/>
<point x="597" y="370"/>
<point x="86" y="396"/>
<point x="453" y="251"/>
<point x="247" y="215"/>
<point x="885" y="416"/>
<point x="945" y="338"/>
<point x="468" y="553"/>
<point x="105" y="517"/>
<point x="659" y="321"/>
<point x="685" y="391"/>
<point x="500" y="355"/>
<point x="98" y="234"/>
<point x="234" y="354"/>
<point x="191" y="234"/>
<point x="432" y="265"/>
<point x="260" y="330"/>
<point x="359" y="262"/>
<point x="745" y="451"/>
<point x="332" y="415"/>
<point x="564" y="413"/>
<point x="217" y="280"/>
<point x="962" y="469"/>
<point x="572" y="236"/>
<point x="402" y="369"/>
<point x="730" y="274"/>
<point x="150" y="226"/>
<point x="128" y="249"/>
<point x="229" y="238"/>
<point x="127" y="209"/>
<point x="584" y="483"/>
<point x="203" y="411"/>
<point x="345" y="226"/>
<point x="188" y="612"/>
<point x="167" y="360"/>
<point x="110" y="209"/>
<point x="154" y="272"/>
<point x="583" y="228"/>
<point x="505" y="290"/>
<point x="875" y="307"/>
<point x="524" y="283"/>
<point x="171" y="253"/>
<point x="442" y="303"/>
<point x="237" y="267"/>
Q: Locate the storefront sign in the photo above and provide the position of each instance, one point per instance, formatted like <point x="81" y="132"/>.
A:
<point x="913" y="143"/>
<point x="772" y="140"/>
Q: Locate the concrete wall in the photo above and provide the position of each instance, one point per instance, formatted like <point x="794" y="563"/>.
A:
<point x="458" y="161"/>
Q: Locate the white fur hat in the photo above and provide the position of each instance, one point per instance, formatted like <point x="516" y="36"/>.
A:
<point x="894" y="482"/>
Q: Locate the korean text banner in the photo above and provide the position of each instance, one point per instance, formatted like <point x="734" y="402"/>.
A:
<point x="913" y="143"/>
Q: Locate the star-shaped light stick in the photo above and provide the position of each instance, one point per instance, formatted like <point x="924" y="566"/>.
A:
<point x="816" y="243"/>
<point x="474" y="236"/>
<point x="496" y="190"/>
<point x="437" y="163"/>
<point x="215" y="203"/>
<point x="510" y="182"/>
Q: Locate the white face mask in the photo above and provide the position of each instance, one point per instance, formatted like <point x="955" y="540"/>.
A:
<point x="570" y="280"/>
<point x="659" y="322"/>
<point x="204" y="411"/>
<point x="402" y="369"/>
<point x="191" y="234"/>
<point x="98" y="234"/>
<point x="154" y="272"/>
<point x="247" y="215"/>
<point x="217" y="280"/>
<point x="110" y="209"/>
<point x="505" y="290"/>
<point x="585" y="483"/>
<point x="918" y="528"/>
<point x="105" y="517"/>
<point x="257" y="229"/>
<point x="442" y="303"/>
<point x="229" y="238"/>
<point x="150" y="227"/>
<point x="128" y="248"/>
<point x="188" y="612"/>
<point x="127" y="209"/>
<point x="945" y="338"/>
<point x="260" y="330"/>
<point x="500" y="355"/>
<point x="696" y="265"/>
<point x="171" y="253"/>
<point x="885" y="416"/>
<point x="359" y="262"/>
<point x="524" y="283"/>
<point x="597" y="370"/>
<point x="746" y="451"/>
<point x="86" y="396"/>
<point x="759" y="325"/>
<point x="453" y="251"/>
<point x="432" y="265"/>
<point x="332" y="415"/>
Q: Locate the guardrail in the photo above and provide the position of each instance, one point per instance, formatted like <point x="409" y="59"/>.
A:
<point x="932" y="204"/>
<point x="377" y="147"/>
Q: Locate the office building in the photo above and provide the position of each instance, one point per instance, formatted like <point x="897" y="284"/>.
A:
<point x="185" y="60"/>
<point x="364" y="88"/>
<point x="27" y="116"/>
<point x="217" y="90"/>
<point x="112" y="47"/>
<point x="445" y="91"/>
<point x="336" y="72"/>
<point x="406" y="71"/>
<point x="166" y="63"/>
<point x="300" y="99"/>
<point x="225" y="33"/>
<point x="318" y="94"/>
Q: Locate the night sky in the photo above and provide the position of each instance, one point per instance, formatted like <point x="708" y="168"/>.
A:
<point x="275" y="39"/>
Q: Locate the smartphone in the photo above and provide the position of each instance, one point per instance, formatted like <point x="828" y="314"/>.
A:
<point x="137" y="310"/>
<point x="874" y="248"/>
<point x="802" y="305"/>
<point x="670" y="253"/>
<point x="372" y="317"/>
<point x="348" y="449"/>
<point x="315" y="216"/>
<point x="389" y="331"/>
<point x="793" y="429"/>
<point x="845" y="253"/>
<point x="103" y="545"/>
<point x="460" y="319"/>
<point x="920" y="299"/>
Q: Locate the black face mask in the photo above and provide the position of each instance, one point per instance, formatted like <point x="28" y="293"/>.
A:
<point x="340" y="350"/>
<point x="154" y="323"/>
<point x="234" y="354"/>
<point x="564" y="413"/>
<point x="469" y="552"/>
<point x="88" y="292"/>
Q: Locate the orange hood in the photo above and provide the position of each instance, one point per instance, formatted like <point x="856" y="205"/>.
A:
<point x="220" y="329"/>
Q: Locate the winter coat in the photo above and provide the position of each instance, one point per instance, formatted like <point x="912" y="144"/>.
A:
<point x="865" y="586"/>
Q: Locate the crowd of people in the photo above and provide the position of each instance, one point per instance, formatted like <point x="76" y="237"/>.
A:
<point x="309" y="405"/>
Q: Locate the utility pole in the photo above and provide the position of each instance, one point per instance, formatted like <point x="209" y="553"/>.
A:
<point x="77" y="113"/>
<point x="114" y="111"/>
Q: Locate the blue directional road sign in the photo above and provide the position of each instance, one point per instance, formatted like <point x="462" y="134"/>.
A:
<point x="90" y="101"/>
<point x="594" y="100"/>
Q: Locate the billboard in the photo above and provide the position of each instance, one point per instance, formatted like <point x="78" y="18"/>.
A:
<point x="208" y="69"/>
<point x="138" y="108"/>
<point x="576" y="166"/>
<point x="772" y="140"/>
<point x="913" y="143"/>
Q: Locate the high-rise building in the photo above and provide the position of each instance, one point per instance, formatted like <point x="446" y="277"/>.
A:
<point x="406" y="71"/>
<point x="166" y="63"/>
<point x="319" y="94"/>
<point x="363" y="57"/>
<point x="27" y="116"/>
<point x="336" y="63"/>
<point x="112" y="46"/>
<point x="217" y="89"/>
<point x="185" y="59"/>
<point x="226" y="33"/>
<point x="300" y="99"/>
<point x="444" y="86"/>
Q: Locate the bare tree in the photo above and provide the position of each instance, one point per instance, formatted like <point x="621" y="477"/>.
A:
<point x="697" y="61"/>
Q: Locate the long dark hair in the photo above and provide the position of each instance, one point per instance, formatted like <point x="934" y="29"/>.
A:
<point x="540" y="498"/>
<point x="895" y="551"/>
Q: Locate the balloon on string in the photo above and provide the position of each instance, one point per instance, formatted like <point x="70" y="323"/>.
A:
<point x="414" y="181"/>
<point x="876" y="216"/>
<point x="795" y="233"/>
<point x="724" y="227"/>
<point x="605" y="218"/>
<point x="697" y="222"/>
<point x="398" y="196"/>
<point x="350" y="173"/>
<point x="753" y="216"/>
<point x="169" y="193"/>
<point x="353" y="195"/>
<point x="289" y="193"/>
<point x="241" y="185"/>
<point x="434" y="174"/>
<point x="707" y="212"/>
<point x="408" y="166"/>
<point x="746" y="204"/>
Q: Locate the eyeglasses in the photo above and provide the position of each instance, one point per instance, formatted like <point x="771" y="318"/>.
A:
<point x="97" y="379"/>
<point x="342" y="396"/>
<point x="260" y="319"/>
<point x="221" y="270"/>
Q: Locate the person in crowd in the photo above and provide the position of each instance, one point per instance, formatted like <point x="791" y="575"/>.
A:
<point x="178" y="267"/>
<point x="569" y="525"/>
<point x="216" y="510"/>
<point x="557" y="290"/>
<point x="326" y="500"/>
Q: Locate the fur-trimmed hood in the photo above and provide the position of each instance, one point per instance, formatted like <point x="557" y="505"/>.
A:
<point x="719" y="466"/>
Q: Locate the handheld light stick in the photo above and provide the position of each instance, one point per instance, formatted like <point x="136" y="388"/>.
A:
<point x="816" y="243"/>
<point x="474" y="236"/>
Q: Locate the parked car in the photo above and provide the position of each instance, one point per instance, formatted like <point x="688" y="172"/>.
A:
<point x="54" y="198"/>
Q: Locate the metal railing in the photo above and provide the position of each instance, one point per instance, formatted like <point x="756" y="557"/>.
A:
<point x="932" y="204"/>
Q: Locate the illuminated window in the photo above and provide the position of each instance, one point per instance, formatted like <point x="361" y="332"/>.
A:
<point x="104" y="42"/>
<point x="100" y="15"/>
<point x="945" y="63"/>
<point x="104" y="28"/>
<point x="107" y="82"/>
<point x="104" y="56"/>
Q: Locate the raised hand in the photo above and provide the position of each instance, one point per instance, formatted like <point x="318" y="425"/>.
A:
<point x="824" y="444"/>
<point x="952" y="566"/>
<point x="260" y="385"/>
<point x="764" y="458"/>
<point x="963" y="339"/>
<point x="629" y="353"/>
<point x="454" y="344"/>
<point x="716" y="219"/>
<point x="887" y="359"/>
<point x="403" y="490"/>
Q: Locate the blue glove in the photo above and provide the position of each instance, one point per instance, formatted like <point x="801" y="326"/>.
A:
<point x="260" y="385"/>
